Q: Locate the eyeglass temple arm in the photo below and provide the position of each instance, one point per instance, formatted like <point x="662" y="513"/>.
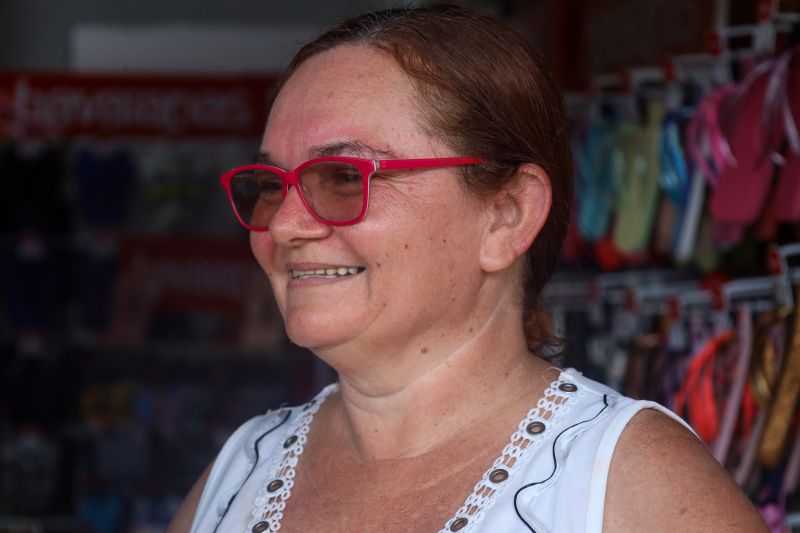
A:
<point x="403" y="164"/>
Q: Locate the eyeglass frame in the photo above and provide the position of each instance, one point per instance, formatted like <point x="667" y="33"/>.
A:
<point x="367" y="168"/>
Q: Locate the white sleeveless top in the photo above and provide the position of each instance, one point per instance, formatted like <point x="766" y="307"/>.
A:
<point x="550" y="477"/>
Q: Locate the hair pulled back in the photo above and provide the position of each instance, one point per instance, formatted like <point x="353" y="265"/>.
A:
<point x="485" y="92"/>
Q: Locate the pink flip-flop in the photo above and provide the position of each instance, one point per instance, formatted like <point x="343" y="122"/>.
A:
<point x="742" y="187"/>
<point x="706" y="145"/>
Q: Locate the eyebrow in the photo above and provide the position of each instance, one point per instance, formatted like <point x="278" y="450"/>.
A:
<point x="264" y="158"/>
<point x="352" y="148"/>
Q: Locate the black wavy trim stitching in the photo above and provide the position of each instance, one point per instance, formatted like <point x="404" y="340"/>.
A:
<point x="555" y="462"/>
<point x="252" y="469"/>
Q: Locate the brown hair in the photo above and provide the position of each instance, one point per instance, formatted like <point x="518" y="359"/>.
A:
<point x="485" y="92"/>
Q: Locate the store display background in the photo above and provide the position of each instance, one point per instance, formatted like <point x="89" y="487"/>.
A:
<point x="119" y="376"/>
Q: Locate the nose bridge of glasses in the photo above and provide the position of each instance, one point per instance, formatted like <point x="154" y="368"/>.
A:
<point x="291" y="181"/>
<point x="290" y="177"/>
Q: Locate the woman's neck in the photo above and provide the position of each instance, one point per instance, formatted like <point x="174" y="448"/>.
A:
<point x="407" y="414"/>
<point x="404" y="396"/>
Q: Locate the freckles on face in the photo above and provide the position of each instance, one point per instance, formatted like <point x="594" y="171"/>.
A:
<point x="347" y="93"/>
<point x="417" y="244"/>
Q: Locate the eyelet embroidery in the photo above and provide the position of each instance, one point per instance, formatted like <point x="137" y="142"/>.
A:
<point x="270" y="504"/>
<point x="531" y="431"/>
<point x="272" y="496"/>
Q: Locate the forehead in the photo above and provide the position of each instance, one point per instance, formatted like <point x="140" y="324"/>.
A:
<point x="349" y="93"/>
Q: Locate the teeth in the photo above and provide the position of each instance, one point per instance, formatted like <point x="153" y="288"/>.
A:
<point x="337" y="271"/>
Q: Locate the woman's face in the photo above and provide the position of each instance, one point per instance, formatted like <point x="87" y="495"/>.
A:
<point x="417" y="249"/>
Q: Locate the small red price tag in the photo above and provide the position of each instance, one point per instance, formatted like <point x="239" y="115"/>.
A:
<point x="775" y="262"/>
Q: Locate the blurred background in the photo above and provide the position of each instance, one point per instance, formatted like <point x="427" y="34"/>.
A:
<point x="137" y="332"/>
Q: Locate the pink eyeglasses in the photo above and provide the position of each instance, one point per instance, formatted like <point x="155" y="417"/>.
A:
<point x="335" y="190"/>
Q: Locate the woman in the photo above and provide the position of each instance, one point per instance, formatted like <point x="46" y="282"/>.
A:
<point x="409" y="254"/>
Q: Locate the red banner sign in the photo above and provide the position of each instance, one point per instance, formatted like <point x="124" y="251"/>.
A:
<point x="185" y="274"/>
<point x="67" y="105"/>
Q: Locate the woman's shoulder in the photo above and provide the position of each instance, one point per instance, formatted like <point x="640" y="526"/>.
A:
<point x="627" y="463"/>
<point x="653" y="472"/>
<point x="662" y="478"/>
<point x="224" y="476"/>
<point x="249" y="447"/>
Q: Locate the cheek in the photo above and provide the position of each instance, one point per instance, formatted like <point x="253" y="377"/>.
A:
<point x="257" y="245"/>
<point x="439" y="253"/>
<point x="263" y="250"/>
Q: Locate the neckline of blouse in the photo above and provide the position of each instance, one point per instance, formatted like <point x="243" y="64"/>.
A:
<point x="531" y="432"/>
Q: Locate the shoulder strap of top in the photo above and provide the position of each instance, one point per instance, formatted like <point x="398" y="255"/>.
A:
<point x="233" y="466"/>
<point x="602" y="462"/>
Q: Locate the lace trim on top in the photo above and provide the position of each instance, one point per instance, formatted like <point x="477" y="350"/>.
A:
<point x="271" y="498"/>
<point x="531" y="432"/>
<point x="534" y="429"/>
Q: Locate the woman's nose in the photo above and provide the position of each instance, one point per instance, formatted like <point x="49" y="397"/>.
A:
<point x="293" y="223"/>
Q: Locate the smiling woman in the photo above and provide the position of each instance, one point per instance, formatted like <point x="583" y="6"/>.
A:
<point x="427" y="199"/>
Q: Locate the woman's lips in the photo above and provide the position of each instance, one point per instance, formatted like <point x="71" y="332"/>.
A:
<point x="309" y="274"/>
<point x="326" y="272"/>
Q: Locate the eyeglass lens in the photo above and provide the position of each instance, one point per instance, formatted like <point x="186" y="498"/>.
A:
<point x="333" y="190"/>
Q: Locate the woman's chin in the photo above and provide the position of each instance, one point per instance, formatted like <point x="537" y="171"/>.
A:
<point x="317" y="333"/>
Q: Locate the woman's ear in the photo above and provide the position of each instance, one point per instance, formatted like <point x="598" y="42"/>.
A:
<point x="515" y="217"/>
